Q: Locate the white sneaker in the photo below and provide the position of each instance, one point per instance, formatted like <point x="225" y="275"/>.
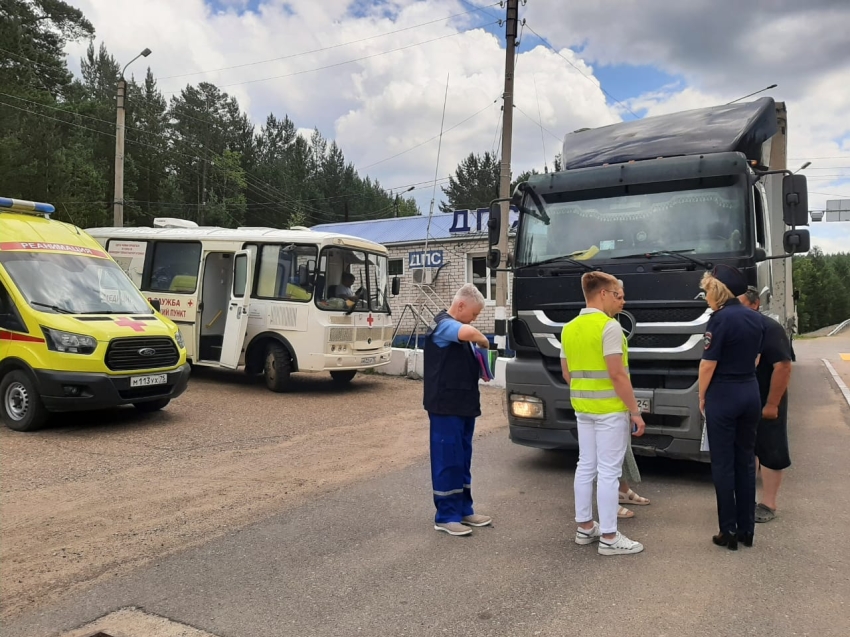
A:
<point x="588" y="536"/>
<point x="621" y="545"/>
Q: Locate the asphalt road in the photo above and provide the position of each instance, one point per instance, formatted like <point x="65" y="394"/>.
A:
<point x="364" y="560"/>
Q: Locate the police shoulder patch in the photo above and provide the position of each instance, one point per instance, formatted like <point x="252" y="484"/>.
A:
<point x="707" y="340"/>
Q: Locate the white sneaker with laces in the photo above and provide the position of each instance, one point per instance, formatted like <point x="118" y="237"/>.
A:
<point x="588" y="536"/>
<point x="620" y="545"/>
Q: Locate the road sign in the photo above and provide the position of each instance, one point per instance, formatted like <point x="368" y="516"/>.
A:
<point x="837" y="210"/>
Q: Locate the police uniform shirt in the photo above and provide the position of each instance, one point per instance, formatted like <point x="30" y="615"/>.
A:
<point x="775" y="349"/>
<point x="733" y="339"/>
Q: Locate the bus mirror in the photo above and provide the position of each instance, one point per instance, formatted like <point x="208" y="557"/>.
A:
<point x="396" y="286"/>
<point x="494" y="258"/>
<point x="494" y="223"/>
<point x="302" y="275"/>
<point x="155" y="304"/>
<point x="795" y="200"/>
<point x="796" y="241"/>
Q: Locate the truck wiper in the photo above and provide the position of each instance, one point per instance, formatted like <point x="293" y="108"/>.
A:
<point x="540" y="213"/>
<point x="55" y="308"/>
<point x="668" y="253"/>
<point x="562" y="259"/>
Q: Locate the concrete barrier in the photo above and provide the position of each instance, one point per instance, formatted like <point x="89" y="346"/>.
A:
<point x="398" y="363"/>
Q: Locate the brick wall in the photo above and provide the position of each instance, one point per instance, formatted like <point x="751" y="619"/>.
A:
<point x="452" y="276"/>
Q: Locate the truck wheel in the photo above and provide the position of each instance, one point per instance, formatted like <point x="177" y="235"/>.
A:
<point x="151" y="406"/>
<point x="21" y="408"/>
<point x="277" y="367"/>
<point x="343" y="377"/>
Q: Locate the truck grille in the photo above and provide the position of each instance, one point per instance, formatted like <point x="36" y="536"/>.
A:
<point x="123" y="354"/>
<point x="658" y="341"/>
<point x="642" y="315"/>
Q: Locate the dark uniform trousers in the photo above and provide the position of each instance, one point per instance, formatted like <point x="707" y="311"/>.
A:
<point x="732" y="412"/>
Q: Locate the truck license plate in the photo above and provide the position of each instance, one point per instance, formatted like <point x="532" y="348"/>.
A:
<point x="367" y="361"/>
<point x="644" y="404"/>
<point x="147" y="381"/>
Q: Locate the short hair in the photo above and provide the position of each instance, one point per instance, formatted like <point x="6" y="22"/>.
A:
<point x="752" y="295"/>
<point x="348" y="276"/>
<point x="592" y="283"/>
<point x="715" y="289"/>
<point x="470" y="295"/>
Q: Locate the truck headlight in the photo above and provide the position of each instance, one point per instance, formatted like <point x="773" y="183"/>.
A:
<point x="179" y="338"/>
<point x="68" y="342"/>
<point x="526" y="407"/>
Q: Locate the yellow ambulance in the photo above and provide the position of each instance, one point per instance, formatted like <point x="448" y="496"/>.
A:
<point x="75" y="332"/>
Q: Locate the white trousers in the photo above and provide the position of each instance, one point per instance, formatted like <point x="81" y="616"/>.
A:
<point x="602" y="441"/>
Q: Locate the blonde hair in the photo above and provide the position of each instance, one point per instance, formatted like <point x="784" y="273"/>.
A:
<point x="593" y="282"/>
<point x="715" y="290"/>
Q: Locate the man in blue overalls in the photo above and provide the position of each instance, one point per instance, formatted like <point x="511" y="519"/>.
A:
<point x="452" y="401"/>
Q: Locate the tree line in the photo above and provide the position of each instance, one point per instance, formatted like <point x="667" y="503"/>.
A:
<point x="196" y="155"/>
<point x="823" y="283"/>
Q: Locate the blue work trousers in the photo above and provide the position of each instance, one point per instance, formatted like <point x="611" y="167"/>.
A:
<point x="451" y="463"/>
<point x="732" y="413"/>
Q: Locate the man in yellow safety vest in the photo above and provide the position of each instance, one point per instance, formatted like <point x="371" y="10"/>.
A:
<point x="596" y="367"/>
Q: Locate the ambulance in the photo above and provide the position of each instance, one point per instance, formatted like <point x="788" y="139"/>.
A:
<point x="75" y="332"/>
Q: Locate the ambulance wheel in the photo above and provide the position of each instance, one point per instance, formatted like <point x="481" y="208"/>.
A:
<point x="21" y="408"/>
<point x="151" y="406"/>
<point x="277" y="367"/>
<point x="343" y="377"/>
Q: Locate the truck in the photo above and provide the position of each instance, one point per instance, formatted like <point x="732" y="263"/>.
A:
<point x="655" y="202"/>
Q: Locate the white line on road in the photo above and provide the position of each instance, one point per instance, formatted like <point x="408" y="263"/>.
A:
<point x="838" y="381"/>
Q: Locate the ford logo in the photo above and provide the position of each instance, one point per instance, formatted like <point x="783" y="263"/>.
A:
<point x="147" y="351"/>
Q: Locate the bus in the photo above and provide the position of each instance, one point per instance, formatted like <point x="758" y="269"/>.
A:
<point x="271" y="301"/>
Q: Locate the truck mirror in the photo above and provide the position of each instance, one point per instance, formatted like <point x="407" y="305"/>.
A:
<point x="494" y="223"/>
<point x="494" y="258"/>
<point x="396" y="286"/>
<point x="760" y="255"/>
<point x="155" y="304"/>
<point x="796" y="241"/>
<point x="795" y="200"/>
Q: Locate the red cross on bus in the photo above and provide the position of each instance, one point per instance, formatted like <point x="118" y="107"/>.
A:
<point x="370" y="320"/>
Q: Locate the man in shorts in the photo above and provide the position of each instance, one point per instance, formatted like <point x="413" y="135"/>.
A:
<point x="774" y="375"/>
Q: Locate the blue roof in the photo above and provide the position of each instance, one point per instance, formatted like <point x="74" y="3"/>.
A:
<point x="444" y="225"/>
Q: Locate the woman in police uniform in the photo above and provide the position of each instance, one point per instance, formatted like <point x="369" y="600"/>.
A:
<point x="729" y="399"/>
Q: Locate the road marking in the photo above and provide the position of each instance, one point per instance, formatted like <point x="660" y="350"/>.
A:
<point x="844" y="389"/>
<point x="845" y="357"/>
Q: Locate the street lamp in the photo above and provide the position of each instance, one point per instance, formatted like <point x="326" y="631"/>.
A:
<point x="118" y="204"/>
<point x="803" y="167"/>
<point x="396" y="199"/>
<point x="766" y="88"/>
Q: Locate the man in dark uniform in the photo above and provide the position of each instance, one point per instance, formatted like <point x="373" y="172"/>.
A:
<point x="452" y="400"/>
<point x="774" y="375"/>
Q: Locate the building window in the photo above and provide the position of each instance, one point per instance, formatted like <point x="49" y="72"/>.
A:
<point x="396" y="267"/>
<point x="479" y="275"/>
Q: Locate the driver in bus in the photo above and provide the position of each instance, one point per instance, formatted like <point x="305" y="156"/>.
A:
<point x="344" y="291"/>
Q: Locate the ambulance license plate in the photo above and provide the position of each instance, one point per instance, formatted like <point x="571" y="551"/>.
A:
<point x="367" y="361"/>
<point x="645" y="405"/>
<point x="147" y="381"/>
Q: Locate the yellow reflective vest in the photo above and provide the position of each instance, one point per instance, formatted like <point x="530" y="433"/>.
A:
<point x="591" y="389"/>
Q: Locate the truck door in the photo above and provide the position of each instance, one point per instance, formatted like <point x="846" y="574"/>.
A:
<point x="237" y="310"/>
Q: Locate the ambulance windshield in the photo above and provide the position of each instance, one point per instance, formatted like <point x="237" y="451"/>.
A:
<point x="71" y="284"/>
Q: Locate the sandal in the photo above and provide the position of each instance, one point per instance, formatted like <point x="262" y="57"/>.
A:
<point x="764" y="513"/>
<point x="623" y="512"/>
<point x="633" y="498"/>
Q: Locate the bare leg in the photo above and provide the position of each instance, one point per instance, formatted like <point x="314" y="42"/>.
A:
<point x="770" y="486"/>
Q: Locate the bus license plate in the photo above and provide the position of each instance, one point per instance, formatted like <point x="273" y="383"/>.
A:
<point x="645" y="405"/>
<point x="147" y="381"/>
<point x="367" y="361"/>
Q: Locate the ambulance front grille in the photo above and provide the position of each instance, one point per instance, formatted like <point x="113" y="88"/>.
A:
<point x="124" y="354"/>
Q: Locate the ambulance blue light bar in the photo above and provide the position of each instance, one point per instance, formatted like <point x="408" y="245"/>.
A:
<point x="26" y="207"/>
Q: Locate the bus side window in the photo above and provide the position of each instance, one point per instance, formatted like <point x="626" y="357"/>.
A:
<point x="174" y="267"/>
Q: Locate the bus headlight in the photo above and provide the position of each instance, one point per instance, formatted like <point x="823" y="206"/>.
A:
<point x="526" y="407"/>
<point x="68" y="343"/>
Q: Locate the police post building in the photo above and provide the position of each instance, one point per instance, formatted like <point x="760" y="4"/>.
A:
<point x="432" y="263"/>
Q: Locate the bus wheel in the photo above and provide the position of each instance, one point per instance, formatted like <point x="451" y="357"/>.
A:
<point x="21" y="408"/>
<point x="277" y="367"/>
<point x="343" y="377"/>
<point x="151" y="406"/>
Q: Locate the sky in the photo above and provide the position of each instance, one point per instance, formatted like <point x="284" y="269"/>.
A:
<point x="374" y="75"/>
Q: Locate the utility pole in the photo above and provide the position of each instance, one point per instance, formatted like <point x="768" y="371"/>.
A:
<point x="505" y="170"/>
<point x="118" y="201"/>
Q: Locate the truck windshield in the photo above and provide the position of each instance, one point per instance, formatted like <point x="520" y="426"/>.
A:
<point x="352" y="280"/>
<point x="70" y="284"/>
<point x="654" y="218"/>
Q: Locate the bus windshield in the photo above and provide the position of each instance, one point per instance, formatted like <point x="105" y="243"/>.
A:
<point x="651" y="218"/>
<point x="71" y="284"/>
<point x="352" y="280"/>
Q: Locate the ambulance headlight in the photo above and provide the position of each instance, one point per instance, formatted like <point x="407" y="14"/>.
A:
<point x="179" y="338"/>
<point x="526" y="407"/>
<point x="68" y="342"/>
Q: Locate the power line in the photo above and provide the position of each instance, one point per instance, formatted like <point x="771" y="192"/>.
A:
<point x="326" y="48"/>
<point x="587" y="77"/>
<point x="537" y="123"/>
